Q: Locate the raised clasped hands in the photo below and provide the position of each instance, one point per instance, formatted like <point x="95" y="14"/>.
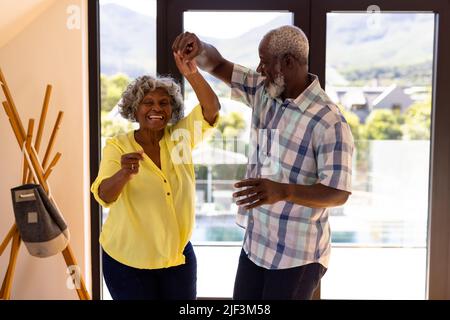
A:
<point x="188" y="45"/>
<point x="185" y="48"/>
<point x="187" y="67"/>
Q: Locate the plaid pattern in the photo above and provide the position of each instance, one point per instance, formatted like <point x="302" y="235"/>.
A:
<point x="302" y="141"/>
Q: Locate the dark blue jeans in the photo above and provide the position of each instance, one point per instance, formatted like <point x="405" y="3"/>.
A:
<point x="256" y="283"/>
<point x="174" y="283"/>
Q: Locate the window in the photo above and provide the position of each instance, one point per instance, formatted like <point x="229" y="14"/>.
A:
<point x="383" y="226"/>
<point x="216" y="233"/>
<point x="127" y="50"/>
<point x="419" y="229"/>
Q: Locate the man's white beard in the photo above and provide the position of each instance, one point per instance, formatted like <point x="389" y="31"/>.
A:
<point x="276" y="88"/>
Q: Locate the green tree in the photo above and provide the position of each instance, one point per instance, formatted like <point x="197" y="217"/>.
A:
<point x="353" y="122"/>
<point x="111" y="129"/>
<point x="120" y="80"/>
<point x="231" y="125"/>
<point x="418" y="121"/>
<point x="112" y="89"/>
<point x="384" y="124"/>
<point x="114" y="127"/>
<point x="104" y="84"/>
<point x="358" y="132"/>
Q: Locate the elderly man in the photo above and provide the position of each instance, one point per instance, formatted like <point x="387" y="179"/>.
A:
<point x="304" y="138"/>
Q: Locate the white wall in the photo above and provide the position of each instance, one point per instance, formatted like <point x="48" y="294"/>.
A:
<point x="46" y="51"/>
<point x="17" y="15"/>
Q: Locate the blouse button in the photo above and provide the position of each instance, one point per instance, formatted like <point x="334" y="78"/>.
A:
<point x="165" y="181"/>
<point x="168" y="193"/>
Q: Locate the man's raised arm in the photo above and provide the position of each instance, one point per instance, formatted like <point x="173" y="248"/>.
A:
<point x="207" y="57"/>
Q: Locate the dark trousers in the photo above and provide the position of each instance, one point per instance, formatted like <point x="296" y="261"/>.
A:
<point x="174" y="283"/>
<point x="257" y="283"/>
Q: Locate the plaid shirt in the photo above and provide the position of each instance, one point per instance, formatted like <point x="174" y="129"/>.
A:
<point x="302" y="141"/>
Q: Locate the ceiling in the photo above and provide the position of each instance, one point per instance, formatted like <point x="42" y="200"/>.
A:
<point x="17" y="15"/>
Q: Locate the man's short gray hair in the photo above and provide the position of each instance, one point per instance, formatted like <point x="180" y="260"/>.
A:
<point x="141" y="86"/>
<point x="288" y="40"/>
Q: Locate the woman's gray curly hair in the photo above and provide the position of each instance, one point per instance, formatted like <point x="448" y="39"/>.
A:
<point x="141" y="86"/>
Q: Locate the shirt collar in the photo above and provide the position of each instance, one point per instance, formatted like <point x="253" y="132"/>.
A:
<point x="304" y="100"/>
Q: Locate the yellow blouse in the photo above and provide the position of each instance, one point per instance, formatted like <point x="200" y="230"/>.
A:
<point x="151" y="222"/>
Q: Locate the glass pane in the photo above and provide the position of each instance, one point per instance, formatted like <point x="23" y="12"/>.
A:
<point x="216" y="212"/>
<point x="379" y="70"/>
<point x="215" y="209"/>
<point x="127" y="50"/>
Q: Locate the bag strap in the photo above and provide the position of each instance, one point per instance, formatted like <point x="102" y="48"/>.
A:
<point x="30" y="165"/>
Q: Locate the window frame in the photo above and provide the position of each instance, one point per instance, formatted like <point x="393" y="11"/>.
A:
<point x="438" y="237"/>
<point x="311" y="17"/>
<point x="94" y="142"/>
<point x="168" y="29"/>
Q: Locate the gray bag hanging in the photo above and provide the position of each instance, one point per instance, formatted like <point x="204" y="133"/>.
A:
<point x="41" y="226"/>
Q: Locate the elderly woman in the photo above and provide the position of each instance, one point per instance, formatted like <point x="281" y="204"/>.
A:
<point x="147" y="180"/>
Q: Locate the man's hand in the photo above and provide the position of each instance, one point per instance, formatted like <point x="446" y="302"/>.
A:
<point x="188" y="45"/>
<point x="259" y="192"/>
<point x="186" y="67"/>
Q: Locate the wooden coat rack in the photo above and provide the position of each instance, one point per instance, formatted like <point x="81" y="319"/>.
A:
<point x="43" y="170"/>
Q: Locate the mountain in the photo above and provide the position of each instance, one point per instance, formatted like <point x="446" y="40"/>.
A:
<point x="397" y="40"/>
<point x="400" y="42"/>
<point x="244" y="49"/>
<point x="127" y="41"/>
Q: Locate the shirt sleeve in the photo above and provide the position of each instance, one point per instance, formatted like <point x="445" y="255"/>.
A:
<point x="109" y="165"/>
<point x="334" y="157"/>
<point x="247" y="86"/>
<point x="194" y="126"/>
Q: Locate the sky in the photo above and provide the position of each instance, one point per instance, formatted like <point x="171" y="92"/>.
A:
<point x="145" y="7"/>
<point x="195" y="21"/>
